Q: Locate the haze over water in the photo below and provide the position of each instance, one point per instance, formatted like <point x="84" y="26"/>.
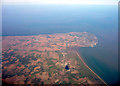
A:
<point x="101" y="20"/>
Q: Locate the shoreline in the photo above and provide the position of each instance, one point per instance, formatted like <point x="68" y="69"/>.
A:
<point x="89" y="67"/>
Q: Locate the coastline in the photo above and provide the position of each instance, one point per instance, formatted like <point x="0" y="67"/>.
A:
<point x="89" y="68"/>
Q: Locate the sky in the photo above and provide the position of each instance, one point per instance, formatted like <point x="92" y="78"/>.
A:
<point x="97" y="2"/>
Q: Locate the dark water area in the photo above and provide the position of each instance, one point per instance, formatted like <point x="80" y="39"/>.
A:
<point x="101" y="20"/>
<point x="67" y="67"/>
<point x="104" y="63"/>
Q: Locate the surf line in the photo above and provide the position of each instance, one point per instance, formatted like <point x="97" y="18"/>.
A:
<point x="89" y="67"/>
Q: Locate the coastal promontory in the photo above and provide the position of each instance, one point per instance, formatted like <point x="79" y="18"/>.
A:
<point x="47" y="59"/>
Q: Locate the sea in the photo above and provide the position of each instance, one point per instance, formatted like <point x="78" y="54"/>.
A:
<point x="100" y="20"/>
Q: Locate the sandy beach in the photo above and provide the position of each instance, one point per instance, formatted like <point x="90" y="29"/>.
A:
<point x="89" y="67"/>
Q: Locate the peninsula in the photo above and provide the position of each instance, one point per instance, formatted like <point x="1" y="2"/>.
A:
<point x="47" y="59"/>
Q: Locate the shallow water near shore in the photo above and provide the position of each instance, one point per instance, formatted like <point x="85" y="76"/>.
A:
<point x="105" y="70"/>
<point x="100" y="20"/>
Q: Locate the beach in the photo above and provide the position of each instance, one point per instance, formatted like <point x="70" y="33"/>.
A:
<point x="89" y="67"/>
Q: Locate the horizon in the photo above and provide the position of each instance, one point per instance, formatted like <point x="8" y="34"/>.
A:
<point x="60" y="2"/>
